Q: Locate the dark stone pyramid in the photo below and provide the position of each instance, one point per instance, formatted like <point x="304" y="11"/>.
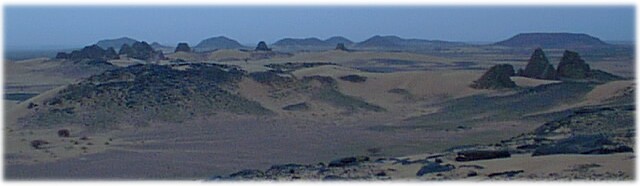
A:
<point x="539" y="67"/>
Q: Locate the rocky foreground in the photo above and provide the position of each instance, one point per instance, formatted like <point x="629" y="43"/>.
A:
<point x="594" y="143"/>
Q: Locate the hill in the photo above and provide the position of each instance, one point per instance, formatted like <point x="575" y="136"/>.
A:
<point x="116" y="43"/>
<point x="310" y="44"/>
<point x="301" y="42"/>
<point x="138" y="94"/>
<point x="219" y="42"/>
<point x="338" y="39"/>
<point x="553" y="40"/>
<point x="395" y="42"/>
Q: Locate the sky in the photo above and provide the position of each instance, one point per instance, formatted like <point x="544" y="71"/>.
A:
<point x="84" y="25"/>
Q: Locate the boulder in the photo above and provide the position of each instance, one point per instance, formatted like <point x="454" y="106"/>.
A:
<point x="348" y="161"/>
<point x="262" y="46"/>
<point x="572" y="66"/>
<point x="497" y="77"/>
<point x="64" y="133"/>
<point x="183" y="47"/>
<point x="473" y="155"/>
<point x="539" y="67"/>
<point x="433" y="167"/>
<point x="37" y="144"/>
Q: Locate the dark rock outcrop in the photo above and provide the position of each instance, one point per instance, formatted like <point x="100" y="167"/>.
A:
<point x="473" y="155"/>
<point x="348" y="161"/>
<point x="37" y="144"/>
<point x="433" y="167"/>
<point x="354" y="78"/>
<point x="247" y="174"/>
<point x="62" y="55"/>
<point x="168" y="94"/>
<point x="539" y="67"/>
<point x="262" y="46"/>
<point x="592" y="144"/>
<point x="183" y="47"/>
<point x="497" y="77"/>
<point x="271" y="78"/>
<point x="64" y="133"/>
<point x="572" y="66"/>
<point x="505" y="174"/>
<point x="297" y="107"/>
<point x="142" y="51"/>
<point x="89" y="52"/>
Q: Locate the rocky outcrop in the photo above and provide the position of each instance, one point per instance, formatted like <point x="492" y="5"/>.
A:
<point x="473" y="155"/>
<point x="572" y="66"/>
<point x="93" y="52"/>
<point x="597" y="130"/>
<point x="434" y="167"/>
<point x="64" y="133"/>
<point x="297" y="107"/>
<point x="539" y="67"/>
<point x="589" y="144"/>
<point x="354" y="78"/>
<point x="262" y="46"/>
<point x="146" y="92"/>
<point x="37" y="144"/>
<point x="183" y="47"/>
<point x="62" y="55"/>
<point x="497" y="77"/>
<point x="142" y="51"/>
<point x="348" y="161"/>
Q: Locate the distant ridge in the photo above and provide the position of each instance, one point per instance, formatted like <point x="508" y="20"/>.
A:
<point x="312" y="41"/>
<point x="337" y="40"/>
<point x="553" y="40"/>
<point x="115" y="43"/>
<point x="382" y="42"/>
<point x="219" y="42"/>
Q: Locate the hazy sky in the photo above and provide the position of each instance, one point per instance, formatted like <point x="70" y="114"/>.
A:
<point x="82" y="25"/>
